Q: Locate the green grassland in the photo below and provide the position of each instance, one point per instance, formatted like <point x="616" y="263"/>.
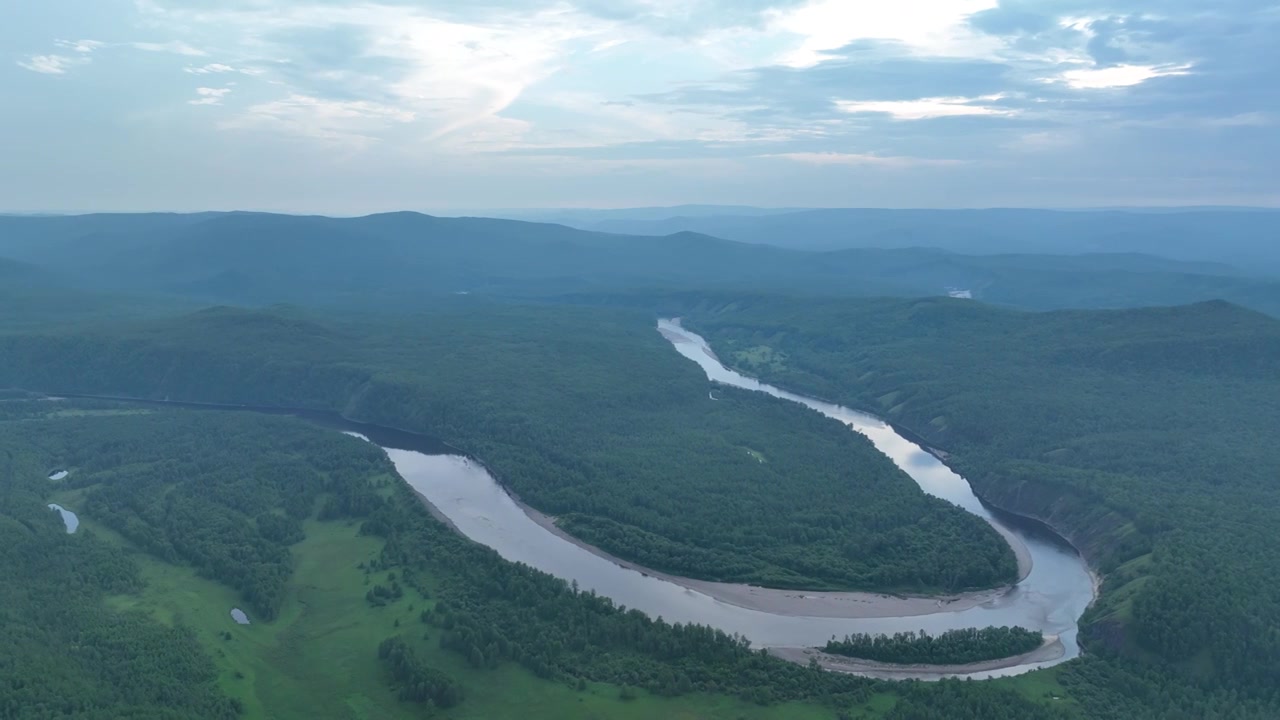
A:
<point x="761" y="357"/>
<point x="317" y="659"/>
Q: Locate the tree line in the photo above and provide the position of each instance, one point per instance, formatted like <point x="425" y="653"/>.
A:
<point x="953" y="647"/>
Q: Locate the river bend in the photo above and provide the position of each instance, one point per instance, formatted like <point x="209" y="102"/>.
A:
<point x="1051" y="597"/>
<point x="1055" y="590"/>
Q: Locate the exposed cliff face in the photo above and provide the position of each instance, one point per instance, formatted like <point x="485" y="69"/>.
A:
<point x="1104" y="537"/>
<point x="1094" y="530"/>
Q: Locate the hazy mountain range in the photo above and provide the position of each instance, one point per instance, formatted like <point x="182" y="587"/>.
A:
<point x="394" y="258"/>
<point x="1249" y="237"/>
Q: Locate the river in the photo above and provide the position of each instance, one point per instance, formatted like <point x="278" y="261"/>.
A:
<point x="1054" y="593"/>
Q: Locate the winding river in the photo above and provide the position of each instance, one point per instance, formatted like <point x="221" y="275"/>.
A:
<point x="1055" y="590"/>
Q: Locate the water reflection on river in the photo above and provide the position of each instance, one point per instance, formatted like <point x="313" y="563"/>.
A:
<point x="69" y="519"/>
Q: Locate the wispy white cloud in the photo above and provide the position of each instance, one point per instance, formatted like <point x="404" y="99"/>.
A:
<point x="80" y="46"/>
<point x="357" y="121"/>
<point x="210" y="69"/>
<point x="54" y="64"/>
<point x="928" y="108"/>
<point x="209" y="96"/>
<point x="927" y="27"/>
<point x="1041" y="141"/>
<point x="448" y="75"/>
<point x="862" y="159"/>
<point x="1245" y="119"/>
<point x="50" y="64"/>
<point x="57" y="64"/>
<point x="1118" y="76"/>
<point x="176" y="47"/>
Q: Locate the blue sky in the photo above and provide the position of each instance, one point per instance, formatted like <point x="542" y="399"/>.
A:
<point x="352" y="107"/>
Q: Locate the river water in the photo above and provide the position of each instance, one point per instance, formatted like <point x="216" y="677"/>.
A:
<point x="69" y="519"/>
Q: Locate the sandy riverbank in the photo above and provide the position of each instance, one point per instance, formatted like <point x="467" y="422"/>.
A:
<point x="792" y="603"/>
<point x="796" y="603"/>
<point x="1052" y="649"/>
<point x="1020" y="550"/>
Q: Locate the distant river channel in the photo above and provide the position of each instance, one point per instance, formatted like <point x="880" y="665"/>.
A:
<point x="1054" y="592"/>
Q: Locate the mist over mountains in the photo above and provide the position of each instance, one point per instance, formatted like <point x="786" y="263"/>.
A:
<point x="259" y="258"/>
<point x="1241" y="236"/>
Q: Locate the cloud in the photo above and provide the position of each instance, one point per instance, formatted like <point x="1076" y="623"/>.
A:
<point x="926" y="27"/>
<point x="176" y="47"/>
<point x="447" y="75"/>
<point x="211" y="68"/>
<point x="55" y="64"/>
<point x="50" y="64"/>
<point x="1025" y="90"/>
<point x="862" y="160"/>
<point x="822" y="67"/>
<point x="927" y="108"/>
<point x="1119" y="76"/>
<point x="209" y="96"/>
<point x="1249" y="119"/>
<point x="80" y="46"/>
<point x="1040" y="141"/>
<point x="356" y="121"/>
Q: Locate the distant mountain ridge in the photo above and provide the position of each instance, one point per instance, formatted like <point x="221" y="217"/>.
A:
<point x="575" y="217"/>
<point x="1242" y="237"/>
<point x="395" y="258"/>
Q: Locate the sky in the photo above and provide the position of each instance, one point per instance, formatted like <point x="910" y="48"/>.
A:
<point x="353" y="107"/>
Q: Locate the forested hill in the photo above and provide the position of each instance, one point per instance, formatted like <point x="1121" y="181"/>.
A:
<point x="401" y="259"/>
<point x="391" y="257"/>
<point x="1145" y="435"/>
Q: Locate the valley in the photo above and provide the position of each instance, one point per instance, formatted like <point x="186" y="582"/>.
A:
<point x="626" y="522"/>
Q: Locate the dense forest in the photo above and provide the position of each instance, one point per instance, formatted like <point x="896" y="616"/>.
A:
<point x="181" y="489"/>
<point x="586" y="414"/>
<point x="63" y="653"/>
<point x="954" y="647"/>
<point x="1144" y="435"/>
